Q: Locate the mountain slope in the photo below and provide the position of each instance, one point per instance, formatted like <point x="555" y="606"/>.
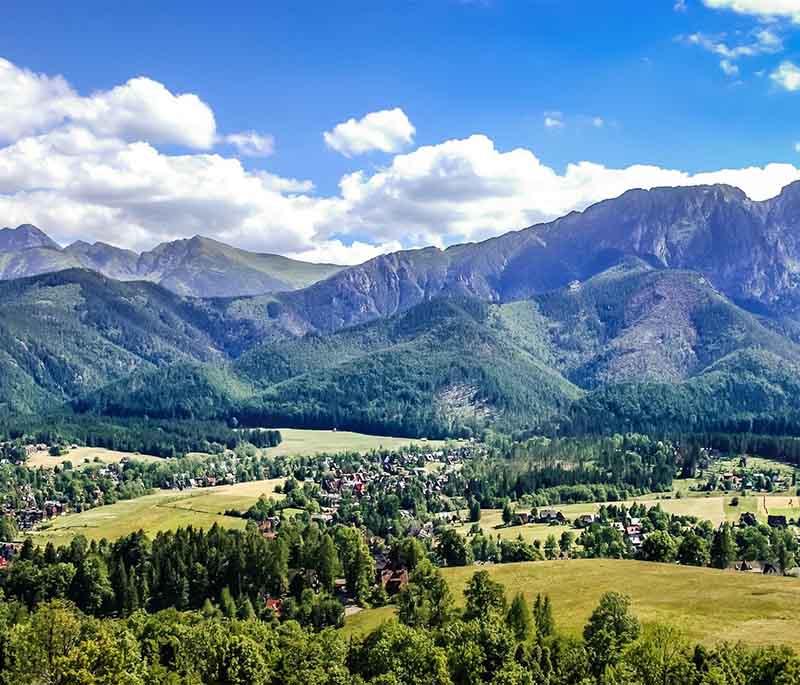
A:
<point x="749" y="251"/>
<point x="438" y="369"/>
<point x="65" y="334"/>
<point x="196" y="267"/>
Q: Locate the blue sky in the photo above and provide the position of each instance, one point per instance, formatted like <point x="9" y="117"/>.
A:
<point x="683" y="87"/>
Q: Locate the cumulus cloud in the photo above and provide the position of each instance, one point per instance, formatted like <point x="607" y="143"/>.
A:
<point x="80" y="181"/>
<point x="388" y="130"/>
<point x="251" y="144"/>
<point x="765" y="9"/>
<point x="787" y="76"/>
<point x="468" y="190"/>
<point x="141" y="109"/>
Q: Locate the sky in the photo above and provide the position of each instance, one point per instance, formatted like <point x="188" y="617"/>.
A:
<point x="337" y="131"/>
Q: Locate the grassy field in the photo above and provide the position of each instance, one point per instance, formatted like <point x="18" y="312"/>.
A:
<point x="164" y="510"/>
<point x="81" y="454"/>
<point x="298" y="442"/>
<point x="709" y="605"/>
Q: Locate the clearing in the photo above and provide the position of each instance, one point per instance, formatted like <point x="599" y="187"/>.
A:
<point x="298" y="441"/>
<point x="79" y="456"/>
<point x="163" y="510"/>
<point x="707" y="604"/>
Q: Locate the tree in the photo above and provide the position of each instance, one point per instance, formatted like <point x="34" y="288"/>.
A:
<point x="411" y="656"/>
<point x="693" y="550"/>
<point x="659" y="546"/>
<point x="453" y="548"/>
<point x="327" y="563"/>
<point x="543" y="615"/>
<point x="408" y="552"/>
<point x="8" y="529"/>
<point x="660" y="656"/>
<point x="550" y="547"/>
<point x="723" y="547"/>
<point x="485" y="597"/>
<point x="358" y="565"/>
<point x="610" y="628"/>
<point x="520" y="619"/>
<point x="508" y="513"/>
<point x="566" y="542"/>
<point x="426" y="601"/>
<point x="226" y="603"/>
<point x="474" y="510"/>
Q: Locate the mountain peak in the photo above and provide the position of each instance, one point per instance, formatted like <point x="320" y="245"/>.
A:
<point x="24" y="237"/>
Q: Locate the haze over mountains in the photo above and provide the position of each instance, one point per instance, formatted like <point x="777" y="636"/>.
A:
<point x="676" y="306"/>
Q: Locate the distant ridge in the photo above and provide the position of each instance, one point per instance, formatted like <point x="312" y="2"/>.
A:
<point x="197" y="267"/>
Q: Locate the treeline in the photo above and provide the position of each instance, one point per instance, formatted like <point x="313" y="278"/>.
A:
<point x="234" y="571"/>
<point x="159" y="438"/>
<point x="670" y="538"/>
<point x="565" y="470"/>
<point x="490" y="641"/>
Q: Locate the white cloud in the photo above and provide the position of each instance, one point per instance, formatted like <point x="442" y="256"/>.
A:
<point x="598" y="122"/>
<point x="762" y="42"/>
<point x="553" y="120"/>
<point x="141" y="109"/>
<point x="765" y="9"/>
<point x="680" y="6"/>
<point x="787" y="76"/>
<point x="336" y="252"/>
<point x="79" y="181"/>
<point x="729" y="68"/>
<point x="251" y="144"/>
<point x="468" y="190"/>
<point x="388" y="130"/>
<point x="797" y="147"/>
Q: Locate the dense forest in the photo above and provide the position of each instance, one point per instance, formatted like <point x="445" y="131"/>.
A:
<point x="490" y="641"/>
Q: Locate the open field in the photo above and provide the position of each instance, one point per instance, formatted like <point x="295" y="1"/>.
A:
<point x="709" y="605"/>
<point x="298" y="442"/>
<point x="81" y="454"/>
<point x="164" y="510"/>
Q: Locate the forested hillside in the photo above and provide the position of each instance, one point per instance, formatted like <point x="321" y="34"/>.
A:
<point x="542" y="329"/>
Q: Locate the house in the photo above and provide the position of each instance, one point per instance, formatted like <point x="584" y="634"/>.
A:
<point x="522" y="518"/>
<point x="586" y="520"/>
<point x="550" y="516"/>
<point x="775" y="521"/>
<point x="274" y="605"/>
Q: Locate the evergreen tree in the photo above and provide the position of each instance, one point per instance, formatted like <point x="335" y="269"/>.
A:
<point x="543" y="615"/>
<point x="474" y="510"/>
<point x="723" y="547"/>
<point x="226" y="604"/>
<point x="520" y="619"/>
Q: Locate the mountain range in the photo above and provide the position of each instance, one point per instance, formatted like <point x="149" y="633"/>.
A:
<point x="197" y="267"/>
<point x="670" y="309"/>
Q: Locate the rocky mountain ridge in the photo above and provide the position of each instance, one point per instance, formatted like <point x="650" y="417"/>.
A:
<point x="197" y="267"/>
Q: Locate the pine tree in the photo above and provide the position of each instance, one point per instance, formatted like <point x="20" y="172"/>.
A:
<point x="246" y="611"/>
<point x="226" y="603"/>
<point x="327" y="563"/>
<point x="133" y="602"/>
<point x="520" y="619"/>
<point x="543" y="615"/>
<point x="722" y="547"/>
<point x="474" y="510"/>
